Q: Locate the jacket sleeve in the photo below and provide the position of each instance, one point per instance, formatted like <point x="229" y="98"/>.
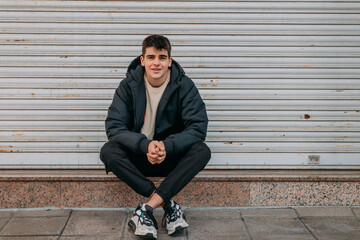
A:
<point x="120" y="121"/>
<point x="195" y="120"/>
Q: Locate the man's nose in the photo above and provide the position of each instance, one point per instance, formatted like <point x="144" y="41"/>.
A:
<point x="156" y="61"/>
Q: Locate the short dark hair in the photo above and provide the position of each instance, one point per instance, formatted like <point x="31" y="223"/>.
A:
<point x="158" y="42"/>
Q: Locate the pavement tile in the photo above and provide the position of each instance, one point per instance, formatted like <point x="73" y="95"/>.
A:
<point x="320" y="226"/>
<point x="265" y="212"/>
<point x="264" y="236"/>
<point x="212" y="213"/>
<point x="264" y="226"/>
<point x="94" y="223"/>
<point x="324" y="212"/>
<point x="341" y="236"/>
<point x="216" y="229"/>
<point x="3" y="221"/>
<point x="34" y="226"/>
<point x="43" y="213"/>
<point x="158" y="214"/>
<point x="90" y="238"/>
<point x="5" y="214"/>
<point x="217" y="237"/>
<point x="109" y="213"/>
<point x="356" y="211"/>
<point x="30" y="238"/>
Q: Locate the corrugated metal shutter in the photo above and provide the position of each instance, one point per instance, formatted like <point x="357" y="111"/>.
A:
<point x="281" y="80"/>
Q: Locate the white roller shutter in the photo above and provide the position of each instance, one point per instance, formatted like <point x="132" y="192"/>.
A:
<point x="281" y="80"/>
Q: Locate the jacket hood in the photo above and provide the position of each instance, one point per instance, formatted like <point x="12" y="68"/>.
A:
<point x="137" y="70"/>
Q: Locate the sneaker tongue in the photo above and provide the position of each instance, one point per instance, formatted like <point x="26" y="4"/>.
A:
<point x="148" y="208"/>
<point x="170" y="206"/>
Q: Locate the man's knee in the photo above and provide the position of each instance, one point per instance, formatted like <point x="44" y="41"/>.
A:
<point x="201" y="151"/>
<point x="110" y="152"/>
<point x="107" y="150"/>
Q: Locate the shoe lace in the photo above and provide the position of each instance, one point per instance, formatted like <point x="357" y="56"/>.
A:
<point x="149" y="219"/>
<point x="170" y="214"/>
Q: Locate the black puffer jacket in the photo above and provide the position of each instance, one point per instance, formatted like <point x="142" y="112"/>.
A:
<point x="181" y="118"/>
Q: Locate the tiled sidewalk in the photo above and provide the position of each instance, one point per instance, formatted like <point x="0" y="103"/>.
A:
<point x="205" y="223"/>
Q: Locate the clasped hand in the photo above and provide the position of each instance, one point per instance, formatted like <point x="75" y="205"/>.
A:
<point x="156" y="152"/>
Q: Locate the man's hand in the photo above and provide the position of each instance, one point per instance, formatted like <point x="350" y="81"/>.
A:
<point x="156" y="152"/>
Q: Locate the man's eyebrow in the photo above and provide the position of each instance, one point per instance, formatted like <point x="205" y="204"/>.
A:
<point x="152" y="55"/>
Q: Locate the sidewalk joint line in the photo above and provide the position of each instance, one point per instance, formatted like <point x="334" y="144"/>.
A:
<point x="245" y="226"/>
<point x="124" y="226"/>
<point x="302" y="222"/>
<point x="62" y="230"/>
<point x="352" y="210"/>
<point x="186" y="233"/>
<point x="6" y="223"/>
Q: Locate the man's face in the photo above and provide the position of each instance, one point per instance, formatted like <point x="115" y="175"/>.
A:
<point x="156" y="63"/>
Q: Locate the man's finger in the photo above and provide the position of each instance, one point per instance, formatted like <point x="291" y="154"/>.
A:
<point x="160" y="145"/>
<point x="152" y="148"/>
<point x="151" y="160"/>
<point x="160" y="160"/>
<point x="153" y="156"/>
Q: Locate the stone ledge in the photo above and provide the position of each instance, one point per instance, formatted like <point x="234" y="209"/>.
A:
<point x="222" y="188"/>
<point x="99" y="175"/>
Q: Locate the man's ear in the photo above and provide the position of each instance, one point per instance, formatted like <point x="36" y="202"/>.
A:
<point x="142" y="61"/>
<point x="170" y="62"/>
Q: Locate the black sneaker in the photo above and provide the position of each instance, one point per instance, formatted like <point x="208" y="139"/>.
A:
<point x="143" y="223"/>
<point x="174" y="218"/>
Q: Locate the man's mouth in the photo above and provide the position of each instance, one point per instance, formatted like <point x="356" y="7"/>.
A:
<point x="156" y="69"/>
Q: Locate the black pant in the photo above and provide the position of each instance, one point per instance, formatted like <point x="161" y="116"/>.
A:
<point x="132" y="168"/>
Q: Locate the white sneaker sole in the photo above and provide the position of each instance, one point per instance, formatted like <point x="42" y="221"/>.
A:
<point x="177" y="228"/>
<point x="138" y="232"/>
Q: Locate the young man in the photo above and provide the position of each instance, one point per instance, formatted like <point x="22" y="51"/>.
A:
<point x="156" y="126"/>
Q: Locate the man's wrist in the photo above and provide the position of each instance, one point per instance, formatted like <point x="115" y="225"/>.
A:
<point x="144" y="145"/>
<point x="169" y="146"/>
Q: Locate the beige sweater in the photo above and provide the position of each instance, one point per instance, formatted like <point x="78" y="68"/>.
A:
<point x="153" y="96"/>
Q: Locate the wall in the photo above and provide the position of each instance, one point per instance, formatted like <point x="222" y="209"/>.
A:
<point x="280" y="80"/>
